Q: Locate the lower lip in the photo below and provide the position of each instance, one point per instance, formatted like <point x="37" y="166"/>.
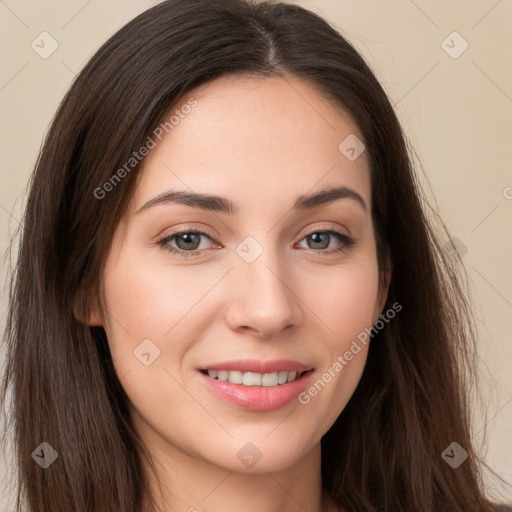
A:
<point x="258" y="398"/>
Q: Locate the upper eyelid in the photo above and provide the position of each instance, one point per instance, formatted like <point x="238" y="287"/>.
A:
<point x="320" y="225"/>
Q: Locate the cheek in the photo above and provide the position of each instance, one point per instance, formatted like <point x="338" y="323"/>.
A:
<point x="147" y="331"/>
<point x="345" y="305"/>
<point x="150" y="300"/>
<point x="343" y="300"/>
<point x="156" y="309"/>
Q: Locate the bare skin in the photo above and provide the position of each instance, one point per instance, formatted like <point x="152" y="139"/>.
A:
<point x="260" y="143"/>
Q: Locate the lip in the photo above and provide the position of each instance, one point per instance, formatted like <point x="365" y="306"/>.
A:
<point x="257" y="398"/>
<point x="256" y="366"/>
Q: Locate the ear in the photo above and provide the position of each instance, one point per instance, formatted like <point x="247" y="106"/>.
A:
<point x="86" y="309"/>
<point x="384" y="282"/>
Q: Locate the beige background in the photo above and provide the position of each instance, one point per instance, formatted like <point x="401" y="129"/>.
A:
<point x="456" y="111"/>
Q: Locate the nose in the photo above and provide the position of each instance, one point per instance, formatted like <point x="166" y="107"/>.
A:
<point x="263" y="298"/>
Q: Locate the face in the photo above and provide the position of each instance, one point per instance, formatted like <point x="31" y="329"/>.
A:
<point x="281" y="285"/>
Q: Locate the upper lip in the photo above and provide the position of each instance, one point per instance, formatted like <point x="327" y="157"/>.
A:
<point x="255" y="366"/>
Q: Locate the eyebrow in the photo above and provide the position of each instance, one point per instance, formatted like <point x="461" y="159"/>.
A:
<point x="223" y="205"/>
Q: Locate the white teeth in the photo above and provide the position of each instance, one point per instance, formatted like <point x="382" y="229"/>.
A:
<point x="283" y="377"/>
<point x="235" y="377"/>
<point x="270" y="379"/>
<point x="254" y="379"/>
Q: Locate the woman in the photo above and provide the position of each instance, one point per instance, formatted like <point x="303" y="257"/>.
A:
<point x="228" y="293"/>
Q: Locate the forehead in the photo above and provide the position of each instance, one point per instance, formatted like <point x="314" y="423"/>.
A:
<point x="253" y="139"/>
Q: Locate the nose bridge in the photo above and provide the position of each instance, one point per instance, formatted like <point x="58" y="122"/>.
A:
<point x="264" y="298"/>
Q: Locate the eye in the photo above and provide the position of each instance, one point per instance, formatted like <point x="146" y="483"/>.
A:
<point x="320" y="239"/>
<point x="188" y="242"/>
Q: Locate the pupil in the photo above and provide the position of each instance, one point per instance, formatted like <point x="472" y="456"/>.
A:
<point x="189" y="236"/>
<point x="315" y="236"/>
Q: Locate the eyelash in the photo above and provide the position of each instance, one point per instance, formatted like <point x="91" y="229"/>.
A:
<point x="347" y="242"/>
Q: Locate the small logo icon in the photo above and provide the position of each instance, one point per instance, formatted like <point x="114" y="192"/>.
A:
<point x="44" y="45"/>
<point x="455" y="245"/>
<point x="455" y="455"/>
<point x="351" y="147"/>
<point x="44" y="455"/>
<point x="454" y="45"/>
<point x="146" y="352"/>
<point x="249" y="249"/>
<point x="249" y="455"/>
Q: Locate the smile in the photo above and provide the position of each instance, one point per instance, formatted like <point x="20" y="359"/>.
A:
<point x="254" y="391"/>
<point x="254" y="379"/>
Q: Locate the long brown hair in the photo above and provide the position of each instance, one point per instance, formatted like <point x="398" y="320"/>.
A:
<point x="384" y="450"/>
